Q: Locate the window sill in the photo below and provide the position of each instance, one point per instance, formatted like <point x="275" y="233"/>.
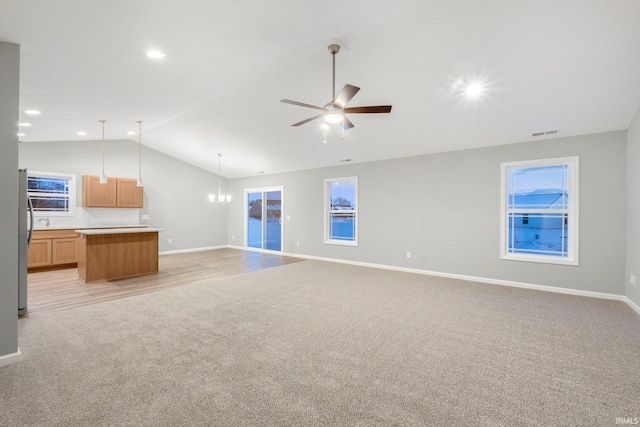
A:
<point x="541" y="259"/>
<point x="340" y="242"/>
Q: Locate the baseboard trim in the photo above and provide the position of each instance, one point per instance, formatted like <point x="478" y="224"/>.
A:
<point x="10" y="359"/>
<point x="184" y="251"/>
<point x="499" y="282"/>
<point x="632" y="304"/>
<point x="262" y="251"/>
<point x="544" y="288"/>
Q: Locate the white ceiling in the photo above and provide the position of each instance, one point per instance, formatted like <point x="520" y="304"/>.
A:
<point x="570" y="65"/>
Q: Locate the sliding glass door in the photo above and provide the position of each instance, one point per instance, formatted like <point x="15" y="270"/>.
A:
<point x="263" y="218"/>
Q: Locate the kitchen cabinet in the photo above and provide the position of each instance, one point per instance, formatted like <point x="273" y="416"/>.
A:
<point x="96" y="195"/>
<point x="116" y="193"/>
<point x="52" y="248"/>
<point x="40" y="253"/>
<point x="105" y="254"/>
<point x="128" y="194"/>
<point x="63" y="251"/>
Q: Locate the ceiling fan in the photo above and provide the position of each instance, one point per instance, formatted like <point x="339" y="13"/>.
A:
<point x="334" y="111"/>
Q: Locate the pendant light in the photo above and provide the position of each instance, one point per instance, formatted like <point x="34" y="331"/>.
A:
<point x="103" y="177"/>
<point x="140" y="182"/>
<point x="221" y="198"/>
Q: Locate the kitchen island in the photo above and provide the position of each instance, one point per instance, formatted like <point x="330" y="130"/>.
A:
<point x="105" y="254"/>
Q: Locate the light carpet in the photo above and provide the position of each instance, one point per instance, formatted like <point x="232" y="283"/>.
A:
<point x="317" y="343"/>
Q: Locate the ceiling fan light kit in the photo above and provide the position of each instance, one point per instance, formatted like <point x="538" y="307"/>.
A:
<point x="334" y="112"/>
<point x="333" y="117"/>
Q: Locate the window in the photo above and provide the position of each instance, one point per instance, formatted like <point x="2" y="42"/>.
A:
<point x="540" y="211"/>
<point x="52" y="193"/>
<point x="341" y="211"/>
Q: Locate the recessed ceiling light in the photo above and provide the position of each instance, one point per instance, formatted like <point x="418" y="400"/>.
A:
<point x="21" y="134"/>
<point x="24" y="124"/>
<point x="32" y="112"/>
<point x="81" y="133"/>
<point x="131" y="133"/>
<point x="474" y="89"/>
<point x="156" y="54"/>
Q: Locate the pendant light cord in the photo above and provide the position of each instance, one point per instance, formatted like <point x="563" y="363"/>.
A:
<point x="102" y="121"/>
<point x="219" y="178"/>
<point x="140" y="151"/>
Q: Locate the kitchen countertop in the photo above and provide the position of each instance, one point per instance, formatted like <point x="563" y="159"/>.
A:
<point x="129" y="230"/>
<point x="96" y="227"/>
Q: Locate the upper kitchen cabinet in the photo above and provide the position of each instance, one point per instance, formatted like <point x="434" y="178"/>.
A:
<point x="116" y="193"/>
<point x="128" y="194"/>
<point x="96" y="195"/>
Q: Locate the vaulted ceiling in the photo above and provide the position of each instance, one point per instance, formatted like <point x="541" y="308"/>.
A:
<point x="545" y="65"/>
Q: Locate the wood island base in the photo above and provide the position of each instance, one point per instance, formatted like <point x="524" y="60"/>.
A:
<point x="117" y="253"/>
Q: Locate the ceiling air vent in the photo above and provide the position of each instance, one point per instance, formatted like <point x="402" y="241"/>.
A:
<point x="549" y="132"/>
<point x="345" y="160"/>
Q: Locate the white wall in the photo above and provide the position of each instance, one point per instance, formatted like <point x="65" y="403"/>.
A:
<point x="445" y="209"/>
<point x="633" y="209"/>
<point x="9" y="83"/>
<point x="175" y="193"/>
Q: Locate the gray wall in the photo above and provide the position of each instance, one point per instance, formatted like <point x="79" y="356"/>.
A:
<point x="9" y="84"/>
<point x="175" y="193"/>
<point x="445" y="209"/>
<point x="633" y="208"/>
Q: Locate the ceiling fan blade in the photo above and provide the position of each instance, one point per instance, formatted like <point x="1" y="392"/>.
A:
<point x="300" y="104"/>
<point x="346" y="124"/>
<point x="365" y="110"/>
<point x="345" y="95"/>
<point x="307" y="120"/>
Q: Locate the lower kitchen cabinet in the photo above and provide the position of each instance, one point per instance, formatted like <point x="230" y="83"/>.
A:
<point x="63" y="251"/>
<point x="53" y="248"/>
<point x="40" y="253"/>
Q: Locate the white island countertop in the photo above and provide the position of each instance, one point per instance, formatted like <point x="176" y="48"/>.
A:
<point x="129" y="230"/>
<point x="84" y="227"/>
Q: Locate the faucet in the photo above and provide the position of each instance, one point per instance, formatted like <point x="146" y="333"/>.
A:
<point x="45" y="219"/>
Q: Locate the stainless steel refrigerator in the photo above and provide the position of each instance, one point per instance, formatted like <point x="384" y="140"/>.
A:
<point x="25" y="230"/>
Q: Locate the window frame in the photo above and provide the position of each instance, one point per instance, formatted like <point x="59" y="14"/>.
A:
<point x="328" y="211"/>
<point x="571" y="211"/>
<point x="71" y="211"/>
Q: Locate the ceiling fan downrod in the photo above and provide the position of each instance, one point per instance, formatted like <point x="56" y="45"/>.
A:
<point x="334" y="48"/>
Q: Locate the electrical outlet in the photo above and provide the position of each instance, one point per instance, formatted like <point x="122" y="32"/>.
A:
<point x="233" y="237"/>
<point x="288" y="217"/>
<point x="632" y="279"/>
<point x="170" y="240"/>
<point x="408" y="254"/>
<point x="297" y="243"/>
<point x="145" y="216"/>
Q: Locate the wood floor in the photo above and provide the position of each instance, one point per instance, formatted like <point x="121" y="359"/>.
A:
<point x="62" y="289"/>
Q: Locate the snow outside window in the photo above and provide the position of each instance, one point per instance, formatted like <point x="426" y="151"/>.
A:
<point x="540" y="211"/>
<point x="52" y="193"/>
<point x="341" y="211"/>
